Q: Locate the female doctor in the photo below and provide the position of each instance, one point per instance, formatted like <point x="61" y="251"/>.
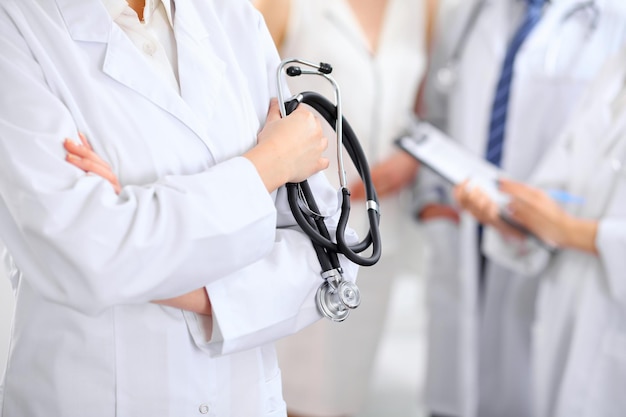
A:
<point x="579" y="334"/>
<point x="174" y="103"/>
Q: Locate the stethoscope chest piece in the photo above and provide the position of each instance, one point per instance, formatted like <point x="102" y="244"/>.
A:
<point x="335" y="303"/>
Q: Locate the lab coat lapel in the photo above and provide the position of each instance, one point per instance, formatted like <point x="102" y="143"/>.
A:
<point x="201" y="72"/>
<point x="88" y="21"/>
<point x="497" y="13"/>
<point x="594" y="133"/>
<point x="615" y="84"/>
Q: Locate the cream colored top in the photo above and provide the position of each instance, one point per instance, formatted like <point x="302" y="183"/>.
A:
<point x="153" y="36"/>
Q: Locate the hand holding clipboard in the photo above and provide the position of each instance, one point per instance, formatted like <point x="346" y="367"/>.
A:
<point x="434" y="149"/>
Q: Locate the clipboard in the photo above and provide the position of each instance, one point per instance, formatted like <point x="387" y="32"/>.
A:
<point x="436" y="150"/>
<point x="433" y="148"/>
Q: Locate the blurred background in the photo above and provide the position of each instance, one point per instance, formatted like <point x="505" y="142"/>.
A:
<point x="397" y="382"/>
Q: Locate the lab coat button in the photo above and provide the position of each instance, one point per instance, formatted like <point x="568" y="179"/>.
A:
<point x="149" y="48"/>
<point x="204" y="409"/>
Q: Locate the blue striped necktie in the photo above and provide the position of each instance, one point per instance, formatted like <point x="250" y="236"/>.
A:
<point x="499" y="110"/>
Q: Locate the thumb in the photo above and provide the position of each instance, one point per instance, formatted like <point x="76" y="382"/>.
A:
<point x="273" y="113"/>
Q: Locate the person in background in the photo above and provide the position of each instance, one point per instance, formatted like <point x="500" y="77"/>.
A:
<point x="505" y="81"/>
<point x="377" y="49"/>
<point x="574" y="203"/>
<point x="160" y="294"/>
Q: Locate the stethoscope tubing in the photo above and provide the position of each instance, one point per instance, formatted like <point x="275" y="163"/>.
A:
<point x="315" y="227"/>
<point x="318" y="232"/>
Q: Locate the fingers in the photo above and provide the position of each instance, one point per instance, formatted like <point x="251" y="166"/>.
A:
<point x="84" y="141"/>
<point x="324" y="163"/>
<point x="519" y="211"/>
<point x="517" y="189"/>
<point x="84" y="152"/>
<point x="87" y="165"/>
<point x="84" y="158"/>
<point x="323" y="139"/>
<point x="460" y="193"/>
<point x="273" y="112"/>
<point x="90" y="166"/>
<point x="476" y="202"/>
<point x="289" y="149"/>
<point x="309" y="119"/>
<point x="524" y="198"/>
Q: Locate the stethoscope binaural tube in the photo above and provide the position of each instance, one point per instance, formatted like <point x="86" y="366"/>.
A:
<point x="336" y="296"/>
<point x="446" y="76"/>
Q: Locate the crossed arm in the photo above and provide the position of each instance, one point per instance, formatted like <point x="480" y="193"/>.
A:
<point x="83" y="156"/>
<point x="288" y="150"/>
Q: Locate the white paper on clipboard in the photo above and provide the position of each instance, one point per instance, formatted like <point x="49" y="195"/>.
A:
<point x="450" y="160"/>
<point x="456" y="164"/>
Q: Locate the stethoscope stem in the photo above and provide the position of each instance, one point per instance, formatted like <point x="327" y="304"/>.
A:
<point x="322" y="69"/>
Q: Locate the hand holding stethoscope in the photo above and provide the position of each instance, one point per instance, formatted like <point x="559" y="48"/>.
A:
<point x="335" y="296"/>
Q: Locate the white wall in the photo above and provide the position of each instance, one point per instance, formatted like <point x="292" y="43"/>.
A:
<point x="6" y="313"/>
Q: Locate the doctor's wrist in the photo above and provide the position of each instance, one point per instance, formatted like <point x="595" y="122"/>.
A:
<point x="579" y="234"/>
<point x="196" y="301"/>
<point x="271" y="173"/>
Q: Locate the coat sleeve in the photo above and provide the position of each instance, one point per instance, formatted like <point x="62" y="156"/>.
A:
<point x="528" y="258"/>
<point x="611" y="244"/>
<point x="272" y="298"/>
<point x="78" y="243"/>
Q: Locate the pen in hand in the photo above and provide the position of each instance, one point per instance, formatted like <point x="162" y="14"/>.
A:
<point x="564" y="197"/>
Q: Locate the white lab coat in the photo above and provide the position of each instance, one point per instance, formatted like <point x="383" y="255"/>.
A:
<point x="86" y="340"/>
<point x="544" y="89"/>
<point x="579" y="336"/>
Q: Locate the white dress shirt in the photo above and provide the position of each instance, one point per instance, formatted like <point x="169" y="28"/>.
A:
<point x="153" y="35"/>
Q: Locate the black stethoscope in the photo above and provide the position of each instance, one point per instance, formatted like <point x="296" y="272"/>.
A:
<point x="335" y="297"/>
